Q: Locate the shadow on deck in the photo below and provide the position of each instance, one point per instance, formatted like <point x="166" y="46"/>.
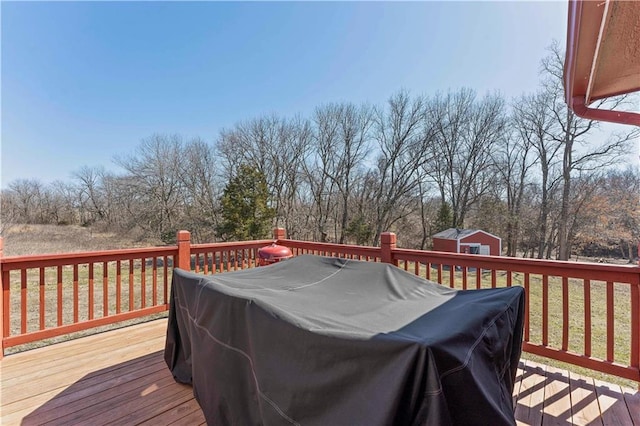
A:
<point x="121" y="377"/>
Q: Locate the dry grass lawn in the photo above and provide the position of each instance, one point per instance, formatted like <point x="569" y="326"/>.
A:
<point x="22" y="240"/>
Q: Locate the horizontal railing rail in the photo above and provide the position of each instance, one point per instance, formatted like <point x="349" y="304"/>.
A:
<point x="328" y="249"/>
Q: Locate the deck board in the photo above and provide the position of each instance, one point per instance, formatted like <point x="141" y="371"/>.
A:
<point x="612" y="404"/>
<point x="531" y="397"/>
<point x="584" y="401"/>
<point x="120" y="377"/>
<point x="632" y="399"/>
<point x="557" y="398"/>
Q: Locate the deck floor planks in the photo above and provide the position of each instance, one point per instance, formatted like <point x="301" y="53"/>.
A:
<point x="632" y="399"/>
<point x="188" y="412"/>
<point x="120" y="377"/>
<point x="531" y="396"/>
<point x="17" y="366"/>
<point x="107" y="398"/>
<point x="157" y="402"/>
<point x="109" y="358"/>
<point x="557" y="398"/>
<point x="195" y="417"/>
<point x="518" y="381"/>
<point x="612" y="404"/>
<point x="64" y="374"/>
<point x="584" y="402"/>
<point x="69" y="348"/>
<point x="90" y="387"/>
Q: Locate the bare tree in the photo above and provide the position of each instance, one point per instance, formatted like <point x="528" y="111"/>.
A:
<point x="63" y="208"/>
<point x="403" y="134"/>
<point x="201" y="189"/>
<point x="154" y="173"/>
<point x="608" y="222"/>
<point x="429" y="207"/>
<point x="276" y="147"/>
<point x="533" y="123"/>
<point x="466" y="130"/>
<point x="514" y="161"/>
<point x="585" y="188"/>
<point x="90" y="195"/>
<point x="623" y="192"/>
<point x="572" y="133"/>
<point x="9" y="215"/>
<point x="352" y="152"/>
<point x="26" y="196"/>
<point x="295" y="137"/>
<point x="318" y="168"/>
<point x="341" y="146"/>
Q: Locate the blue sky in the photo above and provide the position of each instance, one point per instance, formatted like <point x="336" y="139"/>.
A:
<point x="83" y="82"/>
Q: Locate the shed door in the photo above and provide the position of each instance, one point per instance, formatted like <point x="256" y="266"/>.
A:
<point x="485" y="250"/>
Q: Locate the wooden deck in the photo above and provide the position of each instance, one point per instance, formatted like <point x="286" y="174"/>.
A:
<point x="120" y="377"/>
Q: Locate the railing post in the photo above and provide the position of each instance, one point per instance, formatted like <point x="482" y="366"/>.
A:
<point x="278" y="234"/>
<point x="184" y="250"/>
<point x="2" y="277"/>
<point x="635" y="326"/>
<point x="387" y="244"/>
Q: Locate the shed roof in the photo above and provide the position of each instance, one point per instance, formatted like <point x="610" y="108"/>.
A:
<point x="603" y="56"/>
<point x="457" y="234"/>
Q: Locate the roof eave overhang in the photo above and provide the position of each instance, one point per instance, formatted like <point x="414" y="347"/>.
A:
<point x="595" y="40"/>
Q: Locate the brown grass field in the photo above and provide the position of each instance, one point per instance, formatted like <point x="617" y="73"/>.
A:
<point x="39" y="239"/>
<point x="22" y="240"/>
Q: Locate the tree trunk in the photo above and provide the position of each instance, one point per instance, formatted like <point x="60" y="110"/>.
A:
<point x="564" y="250"/>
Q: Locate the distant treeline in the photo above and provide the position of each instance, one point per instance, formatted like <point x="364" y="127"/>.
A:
<point x="527" y="170"/>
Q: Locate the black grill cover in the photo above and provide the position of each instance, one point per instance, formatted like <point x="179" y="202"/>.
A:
<point x="327" y="341"/>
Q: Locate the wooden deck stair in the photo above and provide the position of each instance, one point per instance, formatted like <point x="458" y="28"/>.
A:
<point x="119" y="377"/>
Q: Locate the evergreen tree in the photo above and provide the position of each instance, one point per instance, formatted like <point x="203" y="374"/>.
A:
<point x="359" y="230"/>
<point x="445" y="218"/>
<point x="246" y="214"/>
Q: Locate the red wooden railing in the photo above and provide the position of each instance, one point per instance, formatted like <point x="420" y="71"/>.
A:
<point x="215" y="258"/>
<point x="589" y="303"/>
<point x="586" y="301"/>
<point x="45" y="296"/>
